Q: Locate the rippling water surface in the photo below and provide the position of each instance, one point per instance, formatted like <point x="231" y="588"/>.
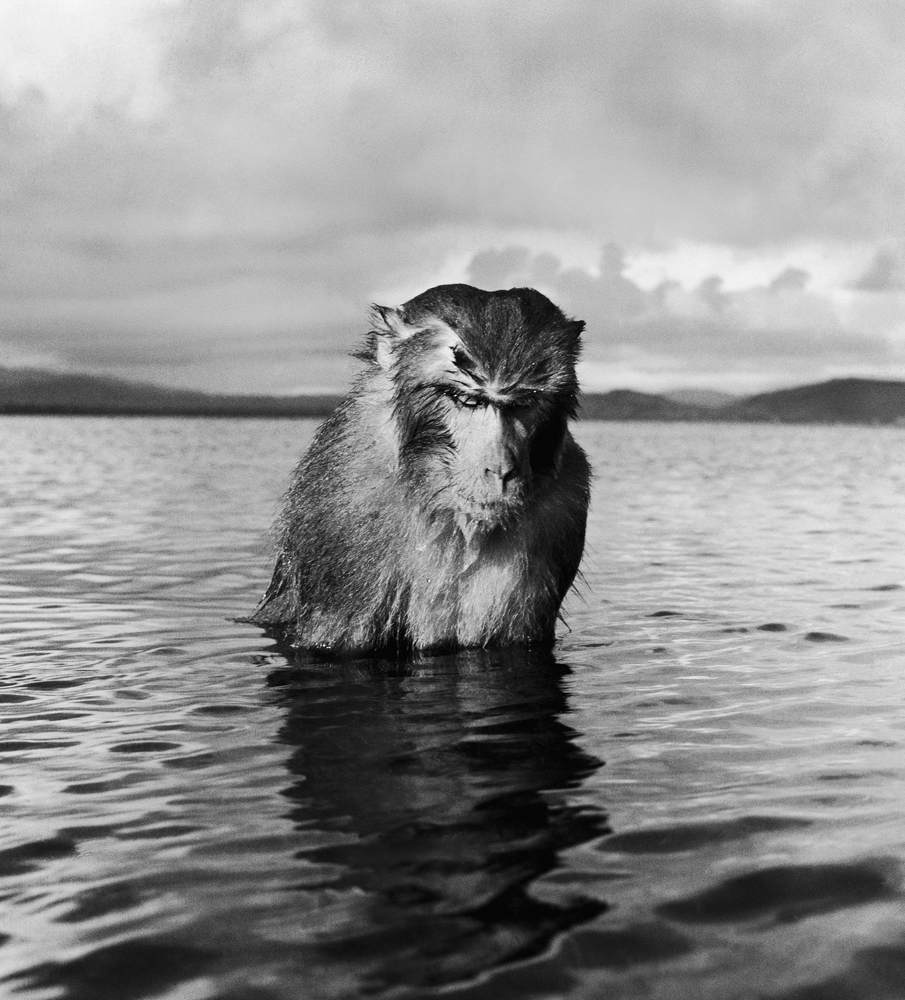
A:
<point x="699" y="793"/>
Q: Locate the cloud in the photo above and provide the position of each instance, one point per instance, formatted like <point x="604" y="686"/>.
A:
<point x="886" y="272"/>
<point x="518" y="266"/>
<point x="180" y="171"/>
<point x="715" y="120"/>
<point x="710" y="121"/>
<point x="791" y="279"/>
<point x="667" y="333"/>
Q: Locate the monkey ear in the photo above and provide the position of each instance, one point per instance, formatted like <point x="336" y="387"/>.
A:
<point x="389" y="329"/>
<point x="575" y="327"/>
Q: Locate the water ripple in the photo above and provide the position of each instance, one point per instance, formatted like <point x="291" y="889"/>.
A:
<point x="697" y="795"/>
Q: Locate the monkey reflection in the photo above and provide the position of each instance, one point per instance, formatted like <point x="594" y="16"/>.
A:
<point x="438" y="793"/>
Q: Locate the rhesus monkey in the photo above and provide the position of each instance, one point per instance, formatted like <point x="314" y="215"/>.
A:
<point x="443" y="504"/>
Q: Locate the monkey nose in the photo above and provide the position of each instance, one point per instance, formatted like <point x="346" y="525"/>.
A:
<point x="502" y="473"/>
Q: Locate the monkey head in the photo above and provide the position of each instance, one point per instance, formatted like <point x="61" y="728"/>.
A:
<point x="481" y="386"/>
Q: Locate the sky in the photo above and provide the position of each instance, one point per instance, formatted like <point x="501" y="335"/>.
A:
<point x="210" y="194"/>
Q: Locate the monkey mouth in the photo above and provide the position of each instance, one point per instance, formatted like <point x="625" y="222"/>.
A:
<point x="487" y="512"/>
<point x="473" y="506"/>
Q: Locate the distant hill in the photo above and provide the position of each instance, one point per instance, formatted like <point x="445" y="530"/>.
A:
<point x="624" y="404"/>
<point x="839" y="401"/>
<point x="33" y="390"/>
<point x="711" y="398"/>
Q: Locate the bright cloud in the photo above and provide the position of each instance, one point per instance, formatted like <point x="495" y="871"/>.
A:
<point x="83" y="54"/>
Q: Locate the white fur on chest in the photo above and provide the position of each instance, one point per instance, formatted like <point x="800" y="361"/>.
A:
<point x="470" y="591"/>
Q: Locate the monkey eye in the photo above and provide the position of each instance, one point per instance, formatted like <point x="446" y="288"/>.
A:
<point x="466" y="400"/>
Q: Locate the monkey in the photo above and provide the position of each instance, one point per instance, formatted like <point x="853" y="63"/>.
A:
<point x="443" y="504"/>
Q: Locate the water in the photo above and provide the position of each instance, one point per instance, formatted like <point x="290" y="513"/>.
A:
<point x="698" y="794"/>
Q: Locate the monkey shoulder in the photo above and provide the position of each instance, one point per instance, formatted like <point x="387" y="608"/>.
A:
<point x="348" y="461"/>
<point x="344" y="506"/>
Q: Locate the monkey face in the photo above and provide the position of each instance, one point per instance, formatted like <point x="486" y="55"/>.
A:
<point x="483" y="385"/>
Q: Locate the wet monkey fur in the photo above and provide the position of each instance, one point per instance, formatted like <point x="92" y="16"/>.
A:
<point x="443" y="504"/>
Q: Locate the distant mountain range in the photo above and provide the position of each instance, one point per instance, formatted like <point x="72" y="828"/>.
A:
<point x="34" y="390"/>
<point x="839" y="401"/>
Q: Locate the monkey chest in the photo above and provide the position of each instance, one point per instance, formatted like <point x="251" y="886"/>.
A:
<point x="479" y="599"/>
